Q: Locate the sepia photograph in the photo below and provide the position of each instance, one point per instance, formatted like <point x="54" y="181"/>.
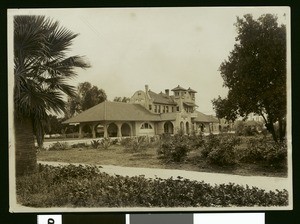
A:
<point x="149" y="109"/>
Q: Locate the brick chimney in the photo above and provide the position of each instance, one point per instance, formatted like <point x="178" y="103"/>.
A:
<point x="167" y="91"/>
<point x="146" y="89"/>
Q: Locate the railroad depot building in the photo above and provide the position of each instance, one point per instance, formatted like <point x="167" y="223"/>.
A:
<point x="147" y="113"/>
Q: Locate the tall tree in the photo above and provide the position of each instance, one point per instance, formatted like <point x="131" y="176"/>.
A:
<point x="255" y="73"/>
<point x="54" y="125"/>
<point x="41" y="69"/>
<point x="86" y="97"/>
<point x="123" y="99"/>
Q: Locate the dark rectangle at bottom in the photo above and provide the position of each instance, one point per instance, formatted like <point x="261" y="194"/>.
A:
<point x="94" y="219"/>
<point x="161" y="218"/>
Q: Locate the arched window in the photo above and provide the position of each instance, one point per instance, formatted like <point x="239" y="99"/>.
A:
<point x="146" y="126"/>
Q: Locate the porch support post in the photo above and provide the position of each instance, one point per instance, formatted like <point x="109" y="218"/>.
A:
<point x="93" y="130"/>
<point x="105" y="130"/>
<point x="119" y="133"/>
<point x="80" y="131"/>
<point x="131" y="129"/>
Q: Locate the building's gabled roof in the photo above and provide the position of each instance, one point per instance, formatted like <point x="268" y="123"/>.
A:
<point x="161" y="98"/>
<point x="178" y="88"/>
<point x="201" y="117"/>
<point x="114" y="111"/>
<point x="118" y="111"/>
<point x="190" y="104"/>
<point x="191" y="90"/>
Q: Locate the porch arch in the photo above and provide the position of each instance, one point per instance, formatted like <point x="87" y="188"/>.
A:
<point x="187" y="127"/>
<point x="112" y="130"/>
<point x="87" y="131"/>
<point x="125" y="130"/>
<point x="182" y="127"/>
<point x="99" y="130"/>
<point x="168" y="127"/>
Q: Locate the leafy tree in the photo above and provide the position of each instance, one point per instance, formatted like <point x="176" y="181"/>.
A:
<point x="41" y="69"/>
<point x="121" y="99"/>
<point x="86" y="97"/>
<point x="54" y="125"/>
<point x="255" y="73"/>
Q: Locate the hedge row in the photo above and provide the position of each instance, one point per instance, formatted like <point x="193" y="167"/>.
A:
<point x="86" y="186"/>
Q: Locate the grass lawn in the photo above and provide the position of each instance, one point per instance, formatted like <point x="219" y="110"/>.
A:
<point x="117" y="155"/>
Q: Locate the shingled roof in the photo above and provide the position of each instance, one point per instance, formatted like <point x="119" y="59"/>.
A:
<point x="114" y="111"/>
<point x="118" y="111"/>
<point x="161" y="98"/>
<point x="191" y="90"/>
<point x="201" y="117"/>
<point x="178" y="88"/>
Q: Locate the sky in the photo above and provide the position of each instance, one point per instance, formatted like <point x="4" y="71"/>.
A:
<point x="129" y="48"/>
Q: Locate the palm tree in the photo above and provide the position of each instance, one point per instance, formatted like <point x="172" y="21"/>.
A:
<point x="41" y="69"/>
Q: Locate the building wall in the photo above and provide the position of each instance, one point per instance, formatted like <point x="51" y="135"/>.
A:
<point x="139" y="97"/>
<point x="145" y="131"/>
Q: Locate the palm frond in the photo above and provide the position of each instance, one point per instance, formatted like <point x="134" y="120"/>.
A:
<point x="59" y="40"/>
<point x="29" y="37"/>
<point x="41" y="68"/>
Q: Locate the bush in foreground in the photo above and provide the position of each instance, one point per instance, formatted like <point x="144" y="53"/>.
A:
<point x="86" y="186"/>
<point x="174" y="148"/>
<point x="220" y="150"/>
<point x="266" y="151"/>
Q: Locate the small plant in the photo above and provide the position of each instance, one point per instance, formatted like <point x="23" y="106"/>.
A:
<point x="105" y="143"/>
<point x="136" y="144"/>
<point x="115" y="141"/>
<point x="79" y="145"/>
<point x="95" y="144"/>
<point x="125" y="142"/>
<point x="57" y="146"/>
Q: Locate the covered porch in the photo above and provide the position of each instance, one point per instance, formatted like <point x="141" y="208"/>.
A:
<point x="106" y="129"/>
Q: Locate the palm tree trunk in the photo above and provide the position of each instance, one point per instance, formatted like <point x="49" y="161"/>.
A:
<point x="24" y="147"/>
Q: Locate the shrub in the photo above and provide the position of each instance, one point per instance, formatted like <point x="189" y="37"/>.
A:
<point x="105" y="143"/>
<point x="125" y="142"/>
<point x="79" y="145"/>
<point x="211" y="142"/>
<point x="57" y="146"/>
<point x="277" y="154"/>
<point x="244" y="129"/>
<point x="137" y="144"/>
<point x="114" y="141"/>
<point x="196" y="140"/>
<point x="264" y="150"/>
<point x="220" y="150"/>
<point x="95" y="144"/>
<point x="174" y="148"/>
<point x="86" y="186"/>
